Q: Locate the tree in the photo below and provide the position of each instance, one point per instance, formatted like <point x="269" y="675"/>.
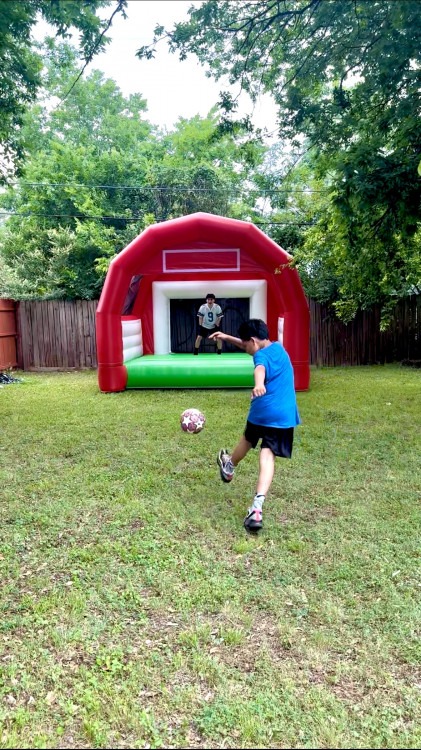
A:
<point x="206" y="169"/>
<point x="346" y="78"/>
<point x="64" y="216"/>
<point x="96" y="173"/>
<point x="21" y="63"/>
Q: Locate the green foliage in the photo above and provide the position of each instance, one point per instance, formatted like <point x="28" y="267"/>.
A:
<point x="97" y="173"/>
<point x="21" y="62"/>
<point x="346" y="78"/>
<point x="366" y="238"/>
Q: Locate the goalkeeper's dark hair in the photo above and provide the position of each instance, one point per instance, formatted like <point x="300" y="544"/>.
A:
<point x="253" y="329"/>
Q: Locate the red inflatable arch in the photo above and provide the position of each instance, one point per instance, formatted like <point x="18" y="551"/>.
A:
<point x="185" y="258"/>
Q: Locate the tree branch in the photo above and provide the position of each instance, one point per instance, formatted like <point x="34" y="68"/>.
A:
<point x="120" y="7"/>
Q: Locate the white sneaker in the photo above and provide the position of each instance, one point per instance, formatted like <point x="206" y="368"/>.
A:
<point x="222" y="461"/>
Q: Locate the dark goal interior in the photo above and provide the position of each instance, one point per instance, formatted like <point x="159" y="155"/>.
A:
<point x="184" y="320"/>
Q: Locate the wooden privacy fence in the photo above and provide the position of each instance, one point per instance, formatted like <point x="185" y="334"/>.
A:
<point x="361" y="342"/>
<point x="55" y="334"/>
<point x="8" y="335"/>
<point x="61" y="335"/>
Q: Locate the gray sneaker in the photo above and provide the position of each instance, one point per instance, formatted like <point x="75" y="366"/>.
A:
<point x="222" y="461"/>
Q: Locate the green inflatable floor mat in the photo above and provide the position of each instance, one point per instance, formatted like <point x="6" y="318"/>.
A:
<point x="190" y="371"/>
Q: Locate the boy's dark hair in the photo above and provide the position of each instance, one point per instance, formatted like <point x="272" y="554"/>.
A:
<point x="210" y="296"/>
<point x="254" y="328"/>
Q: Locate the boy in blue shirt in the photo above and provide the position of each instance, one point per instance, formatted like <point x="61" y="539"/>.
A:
<point x="273" y="412"/>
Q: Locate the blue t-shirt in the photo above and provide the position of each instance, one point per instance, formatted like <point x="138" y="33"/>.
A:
<point x="278" y="407"/>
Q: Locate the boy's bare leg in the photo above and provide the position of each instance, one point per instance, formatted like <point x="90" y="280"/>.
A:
<point x="240" y="451"/>
<point x="253" y="520"/>
<point x="266" y="471"/>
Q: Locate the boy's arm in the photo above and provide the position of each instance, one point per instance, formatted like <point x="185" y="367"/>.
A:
<point x="259" y="381"/>
<point x="230" y="339"/>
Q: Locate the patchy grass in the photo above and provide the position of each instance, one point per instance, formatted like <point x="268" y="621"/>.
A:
<point x="136" y="611"/>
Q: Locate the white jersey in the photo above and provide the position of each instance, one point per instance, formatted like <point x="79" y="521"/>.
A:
<point x="209" y="315"/>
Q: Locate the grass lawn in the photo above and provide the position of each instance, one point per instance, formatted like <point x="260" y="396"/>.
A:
<point x="137" y="612"/>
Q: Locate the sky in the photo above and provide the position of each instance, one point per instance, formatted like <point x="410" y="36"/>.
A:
<point x="172" y="88"/>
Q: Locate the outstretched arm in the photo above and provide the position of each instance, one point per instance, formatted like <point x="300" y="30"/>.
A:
<point x="229" y="339"/>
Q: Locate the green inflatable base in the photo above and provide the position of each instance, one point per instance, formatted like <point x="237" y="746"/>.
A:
<point x="190" y="371"/>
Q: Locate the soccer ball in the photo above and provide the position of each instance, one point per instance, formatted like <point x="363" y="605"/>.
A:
<point x="192" y="420"/>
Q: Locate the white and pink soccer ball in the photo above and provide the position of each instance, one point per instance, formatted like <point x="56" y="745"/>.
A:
<point x="192" y="420"/>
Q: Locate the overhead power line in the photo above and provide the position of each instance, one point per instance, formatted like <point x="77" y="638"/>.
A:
<point x="134" y="218"/>
<point x="153" y="188"/>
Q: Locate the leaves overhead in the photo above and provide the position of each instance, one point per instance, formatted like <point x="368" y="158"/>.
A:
<point x="97" y="173"/>
<point x="21" y="62"/>
<point x="345" y="75"/>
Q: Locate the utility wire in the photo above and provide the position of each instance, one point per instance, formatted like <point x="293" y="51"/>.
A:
<point x="152" y="188"/>
<point x="135" y="218"/>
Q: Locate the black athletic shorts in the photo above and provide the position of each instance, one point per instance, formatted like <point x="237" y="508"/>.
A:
<point x="278" y="439"/>
<point x="205" y="332"/>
